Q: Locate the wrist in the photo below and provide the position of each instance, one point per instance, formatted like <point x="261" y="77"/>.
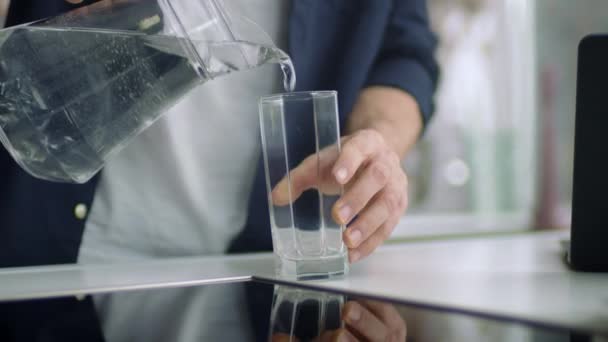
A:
<point x="391" y="112"/>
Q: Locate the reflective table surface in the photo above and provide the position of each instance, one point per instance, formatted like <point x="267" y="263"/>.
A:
<point x="253" y="310"/>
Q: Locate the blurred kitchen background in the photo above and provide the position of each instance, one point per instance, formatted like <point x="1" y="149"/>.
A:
<point x="498" y="155"/>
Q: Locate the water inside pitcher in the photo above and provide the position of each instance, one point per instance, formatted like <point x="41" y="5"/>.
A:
<point x="75" y="89"/>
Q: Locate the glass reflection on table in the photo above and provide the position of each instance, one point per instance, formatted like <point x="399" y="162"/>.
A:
<point x="306" y="315"/>
<point x="253" y="311"/>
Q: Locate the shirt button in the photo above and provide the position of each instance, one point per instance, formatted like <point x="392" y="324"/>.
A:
<point x="80" y="211"/>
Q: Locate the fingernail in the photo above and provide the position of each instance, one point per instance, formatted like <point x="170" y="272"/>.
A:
<point x="341" y="175"/>
<point x="355" y="236"/>
<point x="354" y="257"/>
<point x="354" y="315"/>
<point x="344" y="213"/>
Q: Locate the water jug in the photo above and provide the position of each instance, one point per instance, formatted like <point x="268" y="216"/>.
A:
<point x="76" y="88"/>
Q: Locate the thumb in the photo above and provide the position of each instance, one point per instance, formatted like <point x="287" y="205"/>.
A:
<point x="302" y="178"/>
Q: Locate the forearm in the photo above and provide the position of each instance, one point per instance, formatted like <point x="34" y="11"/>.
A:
<point x="392" y="112"/>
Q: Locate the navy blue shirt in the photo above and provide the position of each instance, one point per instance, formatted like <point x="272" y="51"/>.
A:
<point x="343" y="45"/>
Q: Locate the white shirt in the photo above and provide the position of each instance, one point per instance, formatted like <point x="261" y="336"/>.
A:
<point x="181" y="188"/>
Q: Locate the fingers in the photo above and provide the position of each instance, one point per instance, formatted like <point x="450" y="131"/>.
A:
<point x="376" y="239"/>
<point x="372" y="179"/>
<point x="303" y="177"/>
<point x="375" y="183"/>
<point x="355" y="151"/>
<point x="377" y="221"/>
<point x="390" y="316"/>
<point x="378" y="212"/>
<point x="312" y="172"/>
<point x="363" y="322"/>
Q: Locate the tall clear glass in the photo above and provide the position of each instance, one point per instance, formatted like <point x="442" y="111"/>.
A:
<point x="306" y="240"/>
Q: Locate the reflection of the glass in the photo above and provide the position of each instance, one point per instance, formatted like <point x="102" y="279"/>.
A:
<point x="305" y="315"/>
<point x="247" y="312"/>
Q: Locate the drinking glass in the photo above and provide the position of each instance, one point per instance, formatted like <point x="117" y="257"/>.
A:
<point x="307" y="242"/>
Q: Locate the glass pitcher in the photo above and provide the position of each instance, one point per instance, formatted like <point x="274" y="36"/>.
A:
<point x="76" y="88"/>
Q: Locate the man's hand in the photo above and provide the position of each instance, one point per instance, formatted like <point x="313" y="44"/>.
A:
<point x="375" y="191"/>
<point x="375" y="188"/>
<point x="385" y="124"/>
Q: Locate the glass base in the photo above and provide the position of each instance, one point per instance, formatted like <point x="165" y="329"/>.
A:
<point x="326" y="268"/>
